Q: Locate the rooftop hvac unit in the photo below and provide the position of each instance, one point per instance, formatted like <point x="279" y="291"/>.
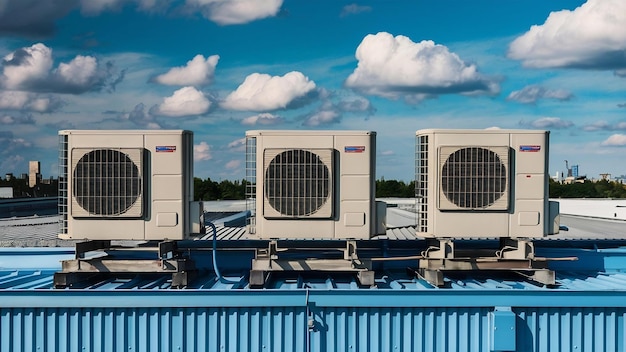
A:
<point x="483" y="183"/>
<point x="127" y="185"/>
<point x="312" y="184"/>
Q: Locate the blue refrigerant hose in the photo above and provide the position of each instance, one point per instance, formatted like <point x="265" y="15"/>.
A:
<point x="217" y="271"/>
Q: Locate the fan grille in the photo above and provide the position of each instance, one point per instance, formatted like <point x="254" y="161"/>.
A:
<point x="297" y="182"/>
<point x="474" y="177"/>
<point x="106" y="182"/>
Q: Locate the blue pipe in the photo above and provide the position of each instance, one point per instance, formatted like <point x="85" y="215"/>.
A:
<point x="217" y="271"/>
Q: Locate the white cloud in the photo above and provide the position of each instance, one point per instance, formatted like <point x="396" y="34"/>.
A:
<point x="233" y="164"/>
<point x="141" y="118"/>
<point x="616" y="140"/>
<point x="238" y="145"/>
<point x="24" y="101"/>
<point x="530" y="94"/>
<point x="30" y="69"/>
<point x="262" y="119"/>
<point x="225" y="12"/>
<point x="80" y="71"/>
<point x="202" y="152"/>
<point x="186" y="101"/>
<point x="26" y="64"/>
<point x="395" y="67"/>
<point x="605" y="126"/>
<point x="592" y="36"/>
<point x="551" y="122"/>
<point x="262" y="92"/>
<point x="198" y="72"/>
<point x="324" y="117"/>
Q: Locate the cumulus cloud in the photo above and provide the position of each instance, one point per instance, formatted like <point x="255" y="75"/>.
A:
<point x="394" y="67"/>
<point x="357" y="104"/>
<point x="30" y="69"/>
<point x="24" y="101"/>
<point x="530" y="94"/>
<point x="262" y="119"/>
<point x="262" y="92"/>
<point x="616" y="140"/>
<point x="198" y="72"/>
<point x="227" y="12"/>
<point x="140" y="117"/>
<point x="32" y="18"/>
<point x="25" y="65"/>
<point x="322" y="117"/>
<point x="202" y="152"/>
<point x="549" y="123"/>
<point x="354" y="9"/>
<point x="187" y="101"/>
<point x="593" y="36"/>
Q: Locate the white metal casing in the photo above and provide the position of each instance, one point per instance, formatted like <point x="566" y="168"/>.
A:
<point x="313" y="184"/>
<point x="127" y="185"/>
<point x="482" y="183"/>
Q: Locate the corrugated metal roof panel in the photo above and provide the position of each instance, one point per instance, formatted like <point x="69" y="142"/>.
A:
<point x="306" y="329"/>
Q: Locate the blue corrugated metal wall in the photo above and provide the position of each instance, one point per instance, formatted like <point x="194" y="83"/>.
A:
<point x="292" y="329"/>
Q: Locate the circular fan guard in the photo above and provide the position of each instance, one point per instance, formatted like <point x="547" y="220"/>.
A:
<point x="297" y="183"/>
<point x="106" y="182"/>
<point x="473" y="178"/>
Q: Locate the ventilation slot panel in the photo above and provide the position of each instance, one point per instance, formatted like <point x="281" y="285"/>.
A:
<point x="421" y="183"/>
<point x="251" y="182"/>
<point x="62" y="204"/>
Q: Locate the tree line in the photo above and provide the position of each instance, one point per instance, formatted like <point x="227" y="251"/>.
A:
<point x="588" y="189"/>
<point x="208" y="189"/>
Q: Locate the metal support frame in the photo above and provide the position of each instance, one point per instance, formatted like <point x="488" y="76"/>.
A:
<point x="100" y="263"/>
<point x="274" y="259"/>
<point x="514" y="255"/>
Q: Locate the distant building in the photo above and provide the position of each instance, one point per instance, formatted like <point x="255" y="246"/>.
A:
<point x="34" y="175"/>
<point x="6" y="192"/>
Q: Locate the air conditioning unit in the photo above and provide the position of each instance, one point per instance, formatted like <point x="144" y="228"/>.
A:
<point x="127" y="185"/>
<point x="312" y="184"/>
<point x="483" y="183"/>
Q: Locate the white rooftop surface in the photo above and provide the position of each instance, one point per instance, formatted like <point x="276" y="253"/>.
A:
<point x="584" y="219"/>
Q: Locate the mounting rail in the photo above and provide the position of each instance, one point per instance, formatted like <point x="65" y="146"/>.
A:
<point x="100" y="262"/>
<point x="274" y="259"/>
<point x="515" y="256"/>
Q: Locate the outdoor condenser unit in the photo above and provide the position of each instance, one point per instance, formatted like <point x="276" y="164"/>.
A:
<point x="127" y="185"/>
<point x="483" y="183"/>
<point x="313" y="184"/>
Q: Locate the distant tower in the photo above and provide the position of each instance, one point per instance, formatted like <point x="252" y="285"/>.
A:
<point x="575" y="171"/>
<point x="33" y="173"/>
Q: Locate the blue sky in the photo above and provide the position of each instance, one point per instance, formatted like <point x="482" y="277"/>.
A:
<point x="221" y="67"/>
